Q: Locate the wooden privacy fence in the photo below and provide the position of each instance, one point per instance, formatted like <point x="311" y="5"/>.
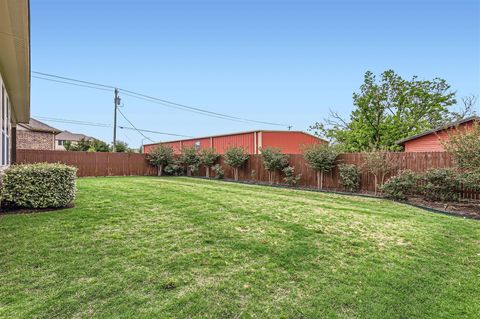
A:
<point x="93" y="163"/>
<point x="124" y="164"/>
<point x="416" y="161"/>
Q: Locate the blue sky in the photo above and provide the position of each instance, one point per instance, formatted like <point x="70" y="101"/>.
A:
<point x="276" y="61"/>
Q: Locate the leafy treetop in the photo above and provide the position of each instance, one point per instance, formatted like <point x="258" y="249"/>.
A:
<point x="391" y="109"/>
<point x="207" y="156"/>
<point x="161" y="155"/>
<point x="235" y="156"/>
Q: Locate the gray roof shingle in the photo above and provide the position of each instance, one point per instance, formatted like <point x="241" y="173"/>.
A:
<point x="37" y="126"/>
<point x="69" y="136"/>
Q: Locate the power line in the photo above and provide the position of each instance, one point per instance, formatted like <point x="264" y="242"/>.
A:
<point x="60" y="120"/>
<point x="74" y="80"/>
<point x="196" y="109"/>
<point x="161" y="101"/>
<point x="179" y="108"/>
<point x="84" y="123"/>
<point x="155" y="132"/>
<point x="141" y="98"/>
<point x="123" y="115"/>
<point x="76" y="84"/>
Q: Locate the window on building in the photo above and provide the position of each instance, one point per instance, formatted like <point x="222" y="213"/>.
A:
<point x="60" y="142"/>
<point x="197" y="145"/>
<point x="6" y="126"/>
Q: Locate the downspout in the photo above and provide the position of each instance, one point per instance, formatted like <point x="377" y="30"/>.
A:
<point x="14" y="145"/>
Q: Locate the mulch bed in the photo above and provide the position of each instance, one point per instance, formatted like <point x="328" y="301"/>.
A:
<point x="465" y="207"/>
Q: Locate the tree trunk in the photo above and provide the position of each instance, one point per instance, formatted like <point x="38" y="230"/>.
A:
<point x="382" y="181"/>
<point x="375" y="185"/>
<point x="189" y="171"/>
<point x="207" y="169"/>
<point x="318" y="179"/>
<point x="160" y="170"/>
<point x="321" y="179"/>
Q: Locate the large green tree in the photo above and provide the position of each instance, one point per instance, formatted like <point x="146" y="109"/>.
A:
<point x="389" y="109"/>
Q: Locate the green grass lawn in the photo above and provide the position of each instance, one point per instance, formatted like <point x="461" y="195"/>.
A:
<point x="138" y="247"/>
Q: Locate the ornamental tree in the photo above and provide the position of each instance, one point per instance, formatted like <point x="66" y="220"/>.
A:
<point x="321" y="158"/>
<point x="273" y="160"/>
<point x="235" y="157"/>
<point x="207" y="157"/>
<point x="189" y="158"/>
<point x="379" y="164"/>
<point x="161" y="156"/>
<point x="465" y="148"/>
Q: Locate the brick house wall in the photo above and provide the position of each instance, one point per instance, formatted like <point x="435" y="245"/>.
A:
<point x="35" y="140"/>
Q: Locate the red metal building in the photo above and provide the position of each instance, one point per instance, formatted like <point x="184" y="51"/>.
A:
<point x="431" y="141"/>
<point x="290" y="142"/>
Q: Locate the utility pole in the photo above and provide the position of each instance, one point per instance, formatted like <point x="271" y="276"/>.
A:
<point x="116" y="102"/>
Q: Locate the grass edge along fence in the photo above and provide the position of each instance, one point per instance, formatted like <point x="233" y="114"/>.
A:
<point x="131" y="164"/>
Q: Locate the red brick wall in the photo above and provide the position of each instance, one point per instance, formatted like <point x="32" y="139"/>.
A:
<point x="35" y="140"/>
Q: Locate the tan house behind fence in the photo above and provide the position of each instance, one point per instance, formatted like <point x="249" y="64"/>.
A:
<point x="67" y="136"/>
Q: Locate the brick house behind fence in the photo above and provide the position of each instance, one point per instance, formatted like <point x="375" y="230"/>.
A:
<point x="36" y="135"/>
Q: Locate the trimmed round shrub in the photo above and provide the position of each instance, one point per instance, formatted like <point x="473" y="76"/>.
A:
<point x="39" y="185"/>
<point x="401" y="185"/>
<point x="349" y="177"/>
<point x="471" y="181"/>
<point x="440" y="184"/>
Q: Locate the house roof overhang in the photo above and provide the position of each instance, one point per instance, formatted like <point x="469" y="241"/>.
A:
<point x="15" y="56"/>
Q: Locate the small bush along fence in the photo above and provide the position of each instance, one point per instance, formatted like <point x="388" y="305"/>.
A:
<point x="349" y="172"/>
<point x="38" y="185"/>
